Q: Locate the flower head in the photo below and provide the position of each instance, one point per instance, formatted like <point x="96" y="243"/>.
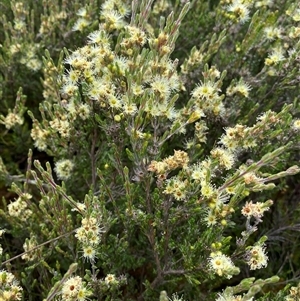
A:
<point x="204" y="90"/>
<point x="275" y="57"/>
<point x="296" y="125"/>
<point x="160" y="86"/>
<point x="222" y="265"/>
<point x="71" y="288"/>
<point x="11" y="120"/>
<point x="240" y="10"/>
<point x="272" y="33"/>
<point x="81" y="24"/>
<point x="99" y="37"/>
<point x="210" y="219"/>
<point x="89" y="253"/>
<point x="19" y="209"/>
<point x="255" y="209"/>
<point x="257" y="257"/>
<point x="224" y="157"/>
<point x="130" y="109"/>
<point x="9" y="287"/>
<point x="110" y="280"/>
<point x="240" y="88"/>
<point x="113" y="19"/>
<point x="63" y="169"/>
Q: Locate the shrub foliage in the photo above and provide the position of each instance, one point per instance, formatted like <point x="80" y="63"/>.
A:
<point x="148" y="148"/>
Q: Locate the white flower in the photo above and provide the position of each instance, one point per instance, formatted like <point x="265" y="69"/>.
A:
<point x="71" y="288"/>
<point x="63" y="169"/>
<point x="110" y="279"/>
<point x="98" y="37"/>
<point x="82" y="12"/>
<point x="204" y="90"/>
<point x="210" y="219"/>
<point x="296" y="125"/>
<point x="240" y="10"/>
<point x="222" y="265"/>
<point x="113" y="18"/>
<point x="256" y="257"/>
<point x="11" y="120"/>
<point x="81" y="24"/>
<point x="89" y="253"/>
<point x="275" y="57"/>
<point x="129" y="109"/>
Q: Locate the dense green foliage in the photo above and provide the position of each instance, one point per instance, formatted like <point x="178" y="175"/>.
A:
<point x="149" y="150"/>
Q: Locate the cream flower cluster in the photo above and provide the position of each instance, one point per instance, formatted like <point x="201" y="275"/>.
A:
<point x="19" y="207"/>
<point x="74" y="289"/>
<point x="180" y="159"/>
<point x="28" y="246"/>
<point x="222" y="265"/>
<point x="89" y="235"/>
<point x="12" y="119"/>
<point x="294" y="293"/>
<point x="63" y="169"/>
<point x="207" y="95"/>
<point x="9" y="287"/>
<point x="255" y="209"/>
<point x="257" y="257"/>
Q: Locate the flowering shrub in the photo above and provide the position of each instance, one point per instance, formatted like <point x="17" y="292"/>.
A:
<point x="161" y="143"/>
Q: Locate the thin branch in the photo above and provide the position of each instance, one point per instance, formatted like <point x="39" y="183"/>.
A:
<point x="37" y="247"/>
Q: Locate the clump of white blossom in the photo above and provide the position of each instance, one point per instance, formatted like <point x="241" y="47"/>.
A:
<point x="294" y="293"/>
<point x="10" y="290"/>
<point x="256" y="257"/>
<point x="63" y="169"/>
<point x="31" y="252"/>
<point x="89" y="235"/>
<point x="12" y="119"/>
<point x="75" y="289"/>
<point x="222" y="265"/>
<point x="19" y="207"/>
<point x="256" y="210"/>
